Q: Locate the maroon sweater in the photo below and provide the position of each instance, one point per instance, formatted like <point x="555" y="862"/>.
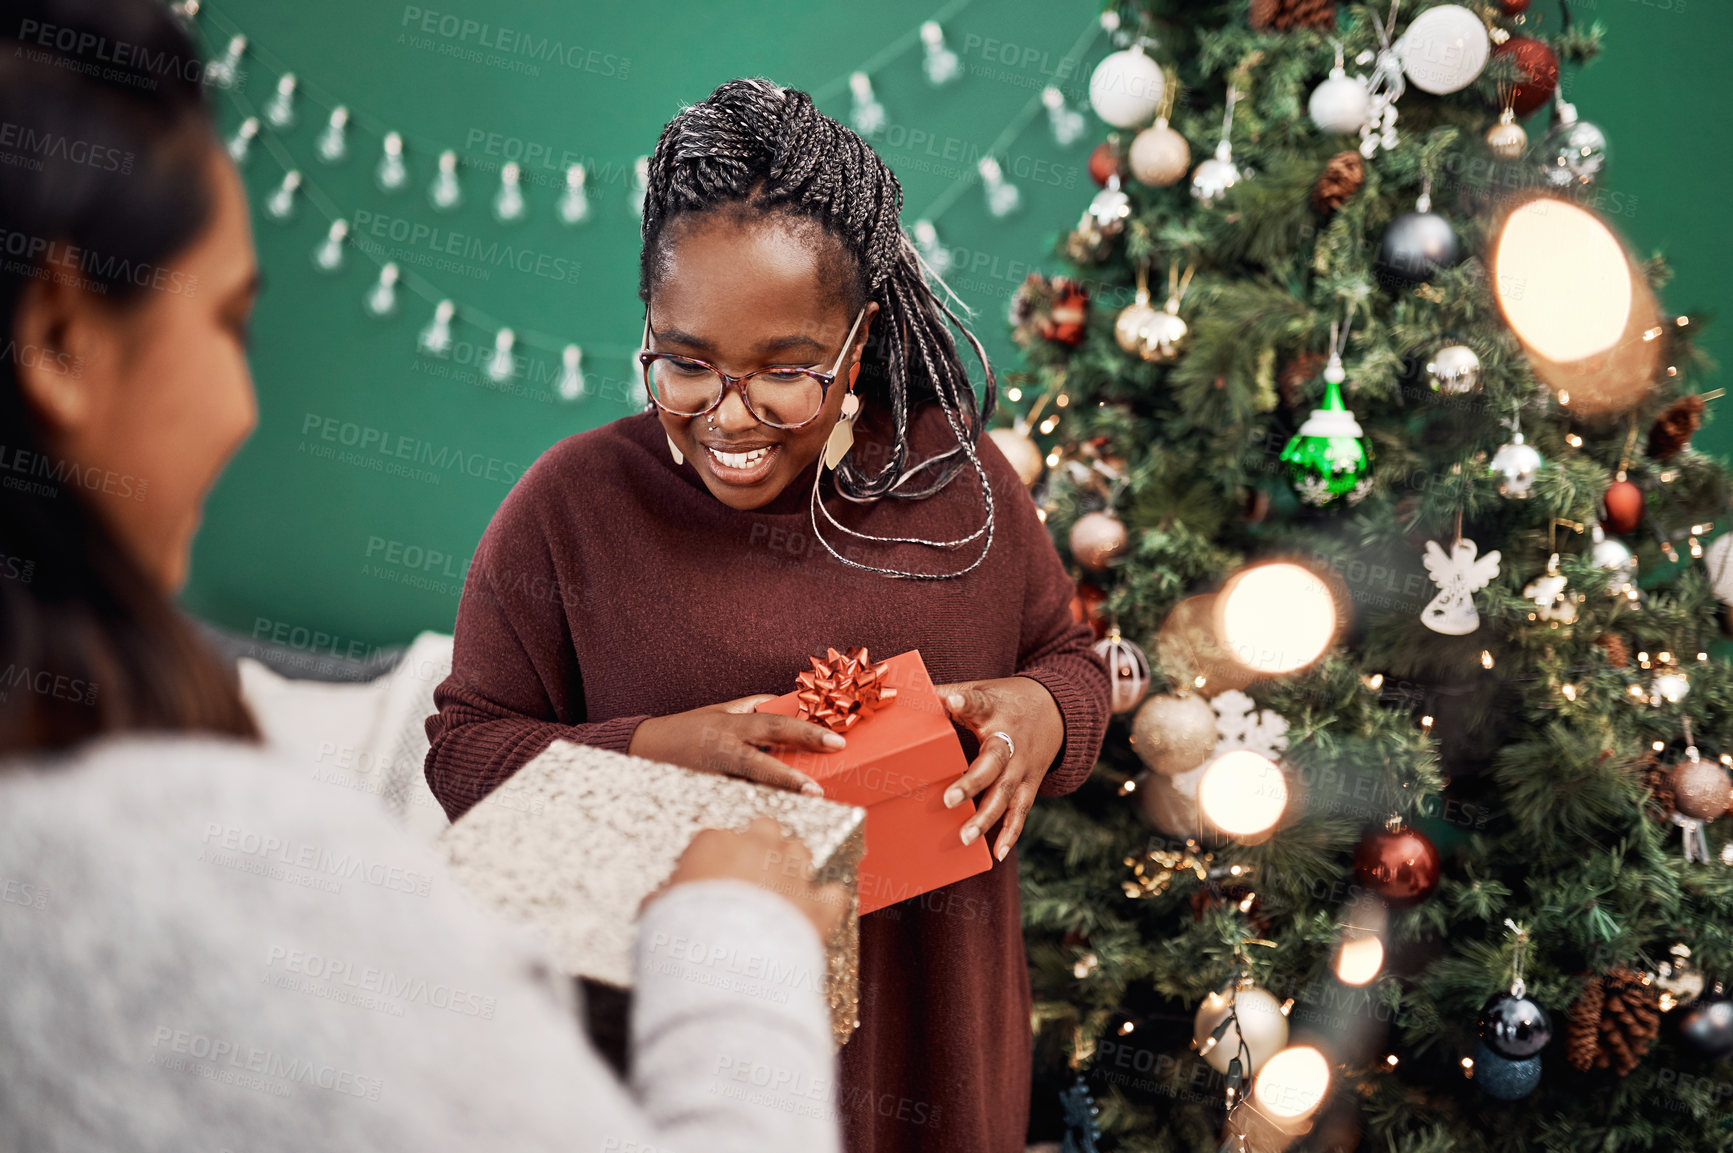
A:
<point x="611" y="586"/>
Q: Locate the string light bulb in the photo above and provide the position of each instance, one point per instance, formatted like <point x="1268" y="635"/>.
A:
<point x="574" y="206"/>
<point x="1066" y="123"/>
<point x="333" y="143"/>
<point x="328" y="257"/>
<point x="936" y="255"/>
<point x="392" y="174"/>
<point x="445" y="194"/>
<point x="1291" y="1086"/>
<point x="941" y="64"/>
<point x="866" y="114"/>
<point x="280" y="205"/>
<point x="382" y="297"/>
<point x="1276" y="617"/>
<point x="571" y="383"/>
<point x="640" y="184"/>
<point x="241" y="143"/>
<point x="1002" y="196"/>
<point x="508" y="202"/>
<point x="280" y="108"/>
<point x="502" y="363"/>
<point x="435" y="339"/>
<point x="225" y="70"/>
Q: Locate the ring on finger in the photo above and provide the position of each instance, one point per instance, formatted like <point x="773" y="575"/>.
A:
<point x="1010" y="745"/>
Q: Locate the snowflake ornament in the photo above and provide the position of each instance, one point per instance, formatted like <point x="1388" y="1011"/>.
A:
<point x="1240" y="724"/>
<point x="1459" y="576"/>
<point x="1553" y="602"/>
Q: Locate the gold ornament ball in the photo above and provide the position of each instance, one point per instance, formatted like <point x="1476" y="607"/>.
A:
<point x="1163" y="338"/>
<point x="1701" y="789"/>
<point x="1096" y="539"/>
<point x="1023" y="453"/>
<point x="1159" y="156"/>
<point x="1506" y="140"/>
<point x="1132" y="320"/>
<point x="1173" y="734"/>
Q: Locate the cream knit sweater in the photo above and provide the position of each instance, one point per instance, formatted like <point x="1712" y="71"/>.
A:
<point x="203" y="950"/>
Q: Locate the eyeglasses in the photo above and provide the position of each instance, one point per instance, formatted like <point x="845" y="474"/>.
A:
<point x="780" y="397"/>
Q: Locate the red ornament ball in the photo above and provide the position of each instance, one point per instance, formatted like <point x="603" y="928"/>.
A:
<point x="1513" y="7"/>
<point x="1401" y="866"/>
<point x="1104" y="162"/>
<point x="1622" y="508"/>
<point x="1539" y="64"/>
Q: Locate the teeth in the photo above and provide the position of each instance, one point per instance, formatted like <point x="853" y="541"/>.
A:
<point x="741" y="459"/>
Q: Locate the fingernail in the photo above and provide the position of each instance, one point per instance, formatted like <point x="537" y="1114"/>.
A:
<point x="970" y="832"/>
<point x="955" y="700"/>
<point x="812" y="789"/>
<point x="1001" y="851"/>
<point x="953" y="798"/>
<point x="834" y="741"/>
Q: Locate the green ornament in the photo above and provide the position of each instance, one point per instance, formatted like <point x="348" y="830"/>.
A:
<point x="1328" y="459"/>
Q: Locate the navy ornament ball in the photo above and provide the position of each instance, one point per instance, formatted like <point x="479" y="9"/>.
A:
<point x="1514" y="1027"/>
<point x="1706" y="1027"/>
<point x="1502" y="1078"/>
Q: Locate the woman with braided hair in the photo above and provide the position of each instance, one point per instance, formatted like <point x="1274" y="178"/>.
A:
<point x="648" y="582"/>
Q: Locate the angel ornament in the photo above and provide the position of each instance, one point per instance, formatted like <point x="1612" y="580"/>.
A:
<point x="1459" y="576"/>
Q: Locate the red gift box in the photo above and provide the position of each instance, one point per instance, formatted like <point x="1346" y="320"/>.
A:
<point x="901" y="756"/>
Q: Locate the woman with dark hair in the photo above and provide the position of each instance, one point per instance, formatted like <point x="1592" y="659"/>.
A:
<point x="202" y="948"/>
<point x="644" y="571"/>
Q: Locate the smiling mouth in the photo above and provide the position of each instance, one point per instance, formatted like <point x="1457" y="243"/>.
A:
<point x="742" y="460"/>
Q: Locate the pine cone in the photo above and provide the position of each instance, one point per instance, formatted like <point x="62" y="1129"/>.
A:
<point x="1583" y="1025"/>
<point x="1342" y="177"/>
<point x="1630" y="1019"/>
<point x="1674" y="426"/>
<point x="1659" y="781"/>
<point x="1286" y="15"/>
<point x="1296" y="374"/>
<point x="1618" y="653"/>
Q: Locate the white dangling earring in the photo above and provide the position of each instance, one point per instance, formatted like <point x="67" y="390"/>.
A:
<point x="674" y="448"/>
<point x="842" y="436"/>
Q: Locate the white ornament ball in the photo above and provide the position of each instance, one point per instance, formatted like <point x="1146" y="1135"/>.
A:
<point x="1718" y="560"/>
<point x="1127" y="669"/>
<point x="1128" y="326"/>
<point x="1444" y="49"/>
<point x="1506" y="139"/>
<point x="1174" y="734"/>
<point x="1341" y="104"/>
<point x="1454" y="369"/>
<point x="1023" y="453"/>
<point x="1214" y="177"/>
<point x="1169" y="809"/>
<point x="1126" y="88"/>
<point x="1159" y="156"/>
<point x="1261" y="1022"/>
<point x="1163" y="338"/>
<point x="1517" y="464"/>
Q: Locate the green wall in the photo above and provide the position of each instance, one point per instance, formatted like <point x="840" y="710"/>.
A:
<point x="348" y="519"/>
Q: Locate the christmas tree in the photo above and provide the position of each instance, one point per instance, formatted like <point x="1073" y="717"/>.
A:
<point x="1371" y="447"/>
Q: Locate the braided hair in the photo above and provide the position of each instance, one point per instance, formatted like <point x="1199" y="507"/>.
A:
<point x="755" y="146"/>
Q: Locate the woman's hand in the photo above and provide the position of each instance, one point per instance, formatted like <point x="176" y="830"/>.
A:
<point x="764" y="855"/>
<point x="728" y="739"/>
<point x="1023" y="708"/>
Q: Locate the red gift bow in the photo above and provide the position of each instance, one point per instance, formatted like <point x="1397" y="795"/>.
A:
<point x="839" y="691"/>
